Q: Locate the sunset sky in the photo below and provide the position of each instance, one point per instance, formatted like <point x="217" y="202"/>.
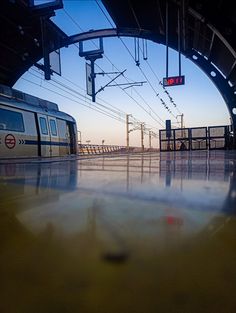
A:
<point x="199" y="100"/>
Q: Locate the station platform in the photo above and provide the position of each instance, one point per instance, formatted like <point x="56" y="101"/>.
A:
<point x="131" y="233"/>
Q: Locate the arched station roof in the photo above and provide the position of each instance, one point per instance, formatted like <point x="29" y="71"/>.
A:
<point x="207" y="32"/>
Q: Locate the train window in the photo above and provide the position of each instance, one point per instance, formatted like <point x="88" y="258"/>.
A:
<point x="11" y="120"/>
<point x="53" y="127"/>
<point x="43" y="125"/>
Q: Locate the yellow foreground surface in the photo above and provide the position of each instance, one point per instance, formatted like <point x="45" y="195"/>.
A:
<point x="143" y="233"/>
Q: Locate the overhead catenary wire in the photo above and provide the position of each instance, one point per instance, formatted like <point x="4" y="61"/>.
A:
<point x="83" y="104"/>
<point x="73" y="100"/>
<point x="162" y="125"/>
<point x="120" y="112"/>
<point x="157" y="94"/>
<point x="136" y="121"/>
<point x="81" y="95"/>
<point x="97" y="103"/>
<point x="131" y="97"/>
<point x="113" y="109"/>
<point x="112" y="63"/>
<point x="126" y="79"/>
<point x="77" y="98"/>
<point x="104" y="13"/>
<point x="164" y="88"/>
<point x="136" y="100"/>
<point x="99" y="98"/>
<point x="149" y="106"/>
<point x="138" y="63"/>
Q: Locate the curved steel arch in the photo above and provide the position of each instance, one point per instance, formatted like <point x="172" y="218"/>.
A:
<point x="113" y="32"/>
<point x="222" y="83"/>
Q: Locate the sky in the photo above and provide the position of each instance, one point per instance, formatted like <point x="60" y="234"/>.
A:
<point x="198" y="99"/>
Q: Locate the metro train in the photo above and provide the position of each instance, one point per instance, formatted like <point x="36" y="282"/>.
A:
<point x="33" y="127"/>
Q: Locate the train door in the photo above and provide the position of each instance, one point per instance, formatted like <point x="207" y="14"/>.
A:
<point x="54" y="136"/>
<point x="64" y="148"/>
<point x="71" y="133"/>
<point x="45" y="138"/>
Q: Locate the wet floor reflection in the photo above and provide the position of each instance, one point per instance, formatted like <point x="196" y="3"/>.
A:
<point x="137" y="233"/>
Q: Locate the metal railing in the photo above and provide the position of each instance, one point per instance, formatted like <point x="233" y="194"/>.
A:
<point x="196" y="138"/>
<point x="90" y="149"/>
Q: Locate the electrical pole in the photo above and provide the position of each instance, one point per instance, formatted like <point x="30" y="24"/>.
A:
<point x="181" y="123"/>
<point x="142" y="136"/>
<point x="127" y="131"/>
<point x="182" y="120"/>
<point x="150" y="139"/>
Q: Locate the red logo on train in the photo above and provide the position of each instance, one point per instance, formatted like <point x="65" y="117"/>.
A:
<point x="10" y="141"/>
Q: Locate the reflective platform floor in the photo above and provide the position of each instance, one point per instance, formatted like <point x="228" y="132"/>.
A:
<point x="139" y="233"/>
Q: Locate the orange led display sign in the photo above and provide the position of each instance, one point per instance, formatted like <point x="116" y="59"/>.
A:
<point x="173" y="81"/>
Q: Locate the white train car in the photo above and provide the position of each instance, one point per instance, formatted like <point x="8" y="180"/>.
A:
<point x="33" y="127"/>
